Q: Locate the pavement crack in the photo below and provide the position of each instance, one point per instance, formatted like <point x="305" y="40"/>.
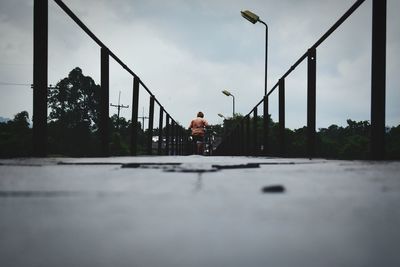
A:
<point x="150" y="165"/>
<point x="237" y="166"/>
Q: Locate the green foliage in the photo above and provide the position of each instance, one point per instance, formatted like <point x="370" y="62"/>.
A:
<point x="72" y="123"/>
<point x="73" y="129"/>
<point x="354" y="147"/>
<point x="16" y="136"/>
<point x="78" y="140"/>
<point x="72" y="126"/>
<point x="118" y="146"/>
<point x="350" y="142"/>
<point x="120" y="137"/>
<point x="74" y="116"/>
<point x="297" y="142"/>
<point x="230" y="124"/>
<point x="393" y="143"/>
<point x="75" y="99"/>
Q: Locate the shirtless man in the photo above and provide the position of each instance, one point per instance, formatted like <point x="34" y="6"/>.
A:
<point x="198" y="126"/>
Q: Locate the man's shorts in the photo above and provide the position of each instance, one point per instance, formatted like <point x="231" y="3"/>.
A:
<point x="198" y="138"/>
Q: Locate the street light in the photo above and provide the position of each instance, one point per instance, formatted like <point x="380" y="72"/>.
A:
<point x="227" y="93"/>
<point x="253" y="18"/>
<point x="222" y="116"/>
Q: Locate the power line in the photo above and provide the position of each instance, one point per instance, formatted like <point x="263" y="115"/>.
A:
<point x="143" y="118"/>
<point x="119" y="107"/>
<point x="15" y="64"/>
<point x="16" y="84"/>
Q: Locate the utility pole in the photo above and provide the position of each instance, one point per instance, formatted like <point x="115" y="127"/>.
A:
<point x="143" y="118"/>
<point x="119" y="107"/>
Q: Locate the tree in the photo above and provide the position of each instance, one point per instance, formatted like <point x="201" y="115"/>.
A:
<point x="75" y="99"/>
<point x="73" y="120"/>
<point x="393" y="143"/>
<point x="120" y="137"/>
<point x="16" y="136"/>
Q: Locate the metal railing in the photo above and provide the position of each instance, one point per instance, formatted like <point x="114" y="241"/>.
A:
<point x="240" y="141"/>
<point x="175" y="134"/>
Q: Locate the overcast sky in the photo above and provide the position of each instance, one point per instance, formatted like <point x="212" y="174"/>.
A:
<point x="187" y="51"/>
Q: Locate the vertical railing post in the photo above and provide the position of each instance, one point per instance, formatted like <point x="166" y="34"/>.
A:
<point x="178" y="139"/>
<point x="179" y="143"/>
<point x="182" y="134"/>
<point x="175" y="138"/>
<point x="282" y="143"/>
<point x="188" y="142"/>
<point x="311" y="101"/>
<point x="255" y="133"/>
<point x="104" y="102"/>
<point x="210" y="144"/>
<point x="242" y="139"/>
<point x="184" y="140"/>
<point x="248" y="137"/>
<point x="135" y="108"/>
<point x="150" y="130"/>
<point x="378" y="85"/>
<point x="172" y="137"/>
<point x="40" y="67"/>
<point x="265" y="126"/>
<point x="160" y="129"/>
<point x="167" y="135"/>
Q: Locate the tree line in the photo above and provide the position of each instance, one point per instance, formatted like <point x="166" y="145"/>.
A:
<point x="335" y="142"/>
<point x="74" y="116"/>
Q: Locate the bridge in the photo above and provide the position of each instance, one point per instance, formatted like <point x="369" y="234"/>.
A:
<point x="242" y="206"/>
<point x="238" y="142"/>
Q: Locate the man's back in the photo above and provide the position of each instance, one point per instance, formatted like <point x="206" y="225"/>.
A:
<point x="197" y="125"/>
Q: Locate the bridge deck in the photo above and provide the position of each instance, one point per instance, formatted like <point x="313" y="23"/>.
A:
<point x="198" y="211"/>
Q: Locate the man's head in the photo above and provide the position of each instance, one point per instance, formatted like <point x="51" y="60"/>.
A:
<point x="200" y="114"/>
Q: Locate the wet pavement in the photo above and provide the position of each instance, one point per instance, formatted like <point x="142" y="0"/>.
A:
<point x="198" y="211"/>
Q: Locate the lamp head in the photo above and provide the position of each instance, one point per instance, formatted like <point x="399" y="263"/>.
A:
<point x="250" y="16"/>
<point x="227" y="93"/>
<point x="222" y="116"/>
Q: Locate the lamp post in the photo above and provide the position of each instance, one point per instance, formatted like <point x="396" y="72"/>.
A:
<point x="227" y="93"/>
<point x="223" y="117"/>
<point x="253" y="18"/>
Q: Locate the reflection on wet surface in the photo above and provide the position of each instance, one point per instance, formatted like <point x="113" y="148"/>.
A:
<point x="88" y="163"/>
<point x="198" y="186"/>
<point x="23" y="194"/>
<point x="52" y="194"/>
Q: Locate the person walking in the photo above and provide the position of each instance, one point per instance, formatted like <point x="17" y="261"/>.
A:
<point x="198" y="130"/>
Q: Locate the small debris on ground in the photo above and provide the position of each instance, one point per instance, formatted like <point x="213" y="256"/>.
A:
<point x="273" y="189"/>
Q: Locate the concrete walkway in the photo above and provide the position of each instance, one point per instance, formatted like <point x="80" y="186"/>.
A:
<point x="198" y="211"/>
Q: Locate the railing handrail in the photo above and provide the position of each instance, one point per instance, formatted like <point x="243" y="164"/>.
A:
<point x="378" y="88"/>
<point x="40" y="86"/>
<point x="86" y="29"/>
<point x="339" y="22"/>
